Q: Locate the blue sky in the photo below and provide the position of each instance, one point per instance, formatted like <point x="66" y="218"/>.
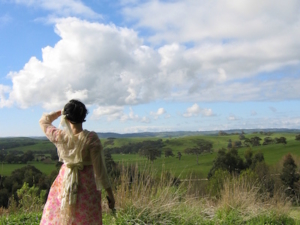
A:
<point x="151" y="65"/>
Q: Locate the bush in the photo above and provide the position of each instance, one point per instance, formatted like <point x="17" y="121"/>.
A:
<point x="216" y="182"/>
<point x="289" y="176"/>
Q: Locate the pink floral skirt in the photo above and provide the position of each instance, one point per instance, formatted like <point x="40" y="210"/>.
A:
<point x="88" y="206"/>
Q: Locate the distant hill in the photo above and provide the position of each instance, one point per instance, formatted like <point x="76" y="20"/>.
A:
<point x="167" y="133"/>
<point x="192" y="133"/>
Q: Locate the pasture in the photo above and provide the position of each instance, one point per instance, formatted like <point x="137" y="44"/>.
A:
<point x="273" y="153"/>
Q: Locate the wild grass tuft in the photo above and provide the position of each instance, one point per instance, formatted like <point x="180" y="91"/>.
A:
<point x="144" y="197"/>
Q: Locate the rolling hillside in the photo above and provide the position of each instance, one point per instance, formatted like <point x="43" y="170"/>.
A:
<point x="273" y="153"/>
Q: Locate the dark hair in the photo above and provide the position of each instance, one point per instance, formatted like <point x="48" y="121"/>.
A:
<point x="75" y="111"/>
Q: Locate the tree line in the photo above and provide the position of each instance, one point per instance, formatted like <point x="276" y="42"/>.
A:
<point x="19" y="157"/>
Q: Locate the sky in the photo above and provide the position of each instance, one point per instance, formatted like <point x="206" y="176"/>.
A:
<point x="151" y="65"/>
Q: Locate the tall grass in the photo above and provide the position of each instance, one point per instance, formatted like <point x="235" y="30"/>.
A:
<point x="143" y="197"/>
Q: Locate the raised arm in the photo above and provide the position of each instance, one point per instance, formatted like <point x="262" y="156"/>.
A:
<point x="46" y="124"/>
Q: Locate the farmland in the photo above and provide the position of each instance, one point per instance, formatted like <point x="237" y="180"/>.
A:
<point x="161" y="200"/>
<point x="273" y="153"/>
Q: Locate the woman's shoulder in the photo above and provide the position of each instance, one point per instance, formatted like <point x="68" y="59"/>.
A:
<point x="92" y="136"/>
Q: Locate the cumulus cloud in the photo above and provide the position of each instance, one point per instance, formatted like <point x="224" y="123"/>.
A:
<point x="117" y="113"/>
<point x="230" y="40"/>
<point x="215" y="20"/>
<point x="62" y="8"/>
<point x="131" y="116"/>
<point x="137" y="129"/>
<point x="4" y="90"/>
<point x="158" y="113"/>
<point x="195" y="110"/>
<point x="111" y="112"/>
<point x="100" y="64"/>
<point x="109" y="66"/>
<point x="232" y="117"/>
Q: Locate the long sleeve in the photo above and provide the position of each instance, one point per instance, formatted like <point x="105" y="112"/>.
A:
<point x="51" y="131"/>
<point x="98" y="162"/>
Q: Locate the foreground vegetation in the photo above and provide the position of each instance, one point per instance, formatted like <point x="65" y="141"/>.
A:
<point x="142" y="198"/>
<point x="247" y="184"/>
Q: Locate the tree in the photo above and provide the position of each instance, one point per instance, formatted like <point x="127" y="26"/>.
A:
<point x="229" y="145"/>
<point x="248" y="156"/>
<point x="54" y="155"/>
<point x="10" y="158"/>
<point x="201" y="147"/>
<point x="4" y="197"/>
<point x="150" y="153"/>
<point x="222" y="133"/>
<point x="237" y="144"/>
<point x="227" y="160"/>
<point x="281" y="140"/>
<point x="247" y="142"/>
<point x="179" y="155"/>
<point x="255" y="141"/>
<point x="27" y="156"/>
<point x="288" y="174"/>
<point x="297" y="138"/>
<point x="168" y="152"/>
<point x="268" y="140"/>
<point x="257" y="158"/>
<point x="242" y="136"/>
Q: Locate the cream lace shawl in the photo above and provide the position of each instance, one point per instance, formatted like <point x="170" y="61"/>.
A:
<point x="69" y="148"/>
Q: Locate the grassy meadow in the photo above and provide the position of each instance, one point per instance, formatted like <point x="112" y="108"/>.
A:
<point x="273" y="153"/>
<point x="152" y="198"/>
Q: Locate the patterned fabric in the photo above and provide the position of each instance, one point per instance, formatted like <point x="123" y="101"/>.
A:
<point x="84" y="149"/>
<point x="92" y="151"/>
<point x="88" y="207"/>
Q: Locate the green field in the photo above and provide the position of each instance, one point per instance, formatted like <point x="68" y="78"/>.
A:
<point x="6" y="169"/>
<point x="272" y="153"/>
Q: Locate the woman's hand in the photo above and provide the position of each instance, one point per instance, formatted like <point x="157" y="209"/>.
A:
<point x="111" y="203"/>
<point x="110" y="198"/>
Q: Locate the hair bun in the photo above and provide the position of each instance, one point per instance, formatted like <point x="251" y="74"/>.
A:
<point x="75" y="111"/>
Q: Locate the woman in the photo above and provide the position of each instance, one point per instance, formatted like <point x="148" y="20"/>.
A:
<point x="75" y="196"/>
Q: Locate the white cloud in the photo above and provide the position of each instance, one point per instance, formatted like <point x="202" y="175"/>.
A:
<point x="230" y="40"/>
<point x="130" y="116"/>
<point x="111" y="112"/>
<point x="4" y="90"/>
<point x="105" y="65"/>
<point x="62" y="8"/>
<point x="195" y="110"/>
<point x="145" y="119"/>
<point x="232" y="117"/>
<point x="214" y="20"/>
<point x="158" y="113"/>
<point x="137" y="129"/>
<point x="100" y="64"/>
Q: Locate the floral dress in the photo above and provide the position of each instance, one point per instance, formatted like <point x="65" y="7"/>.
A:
<point x="75" y="197"/>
